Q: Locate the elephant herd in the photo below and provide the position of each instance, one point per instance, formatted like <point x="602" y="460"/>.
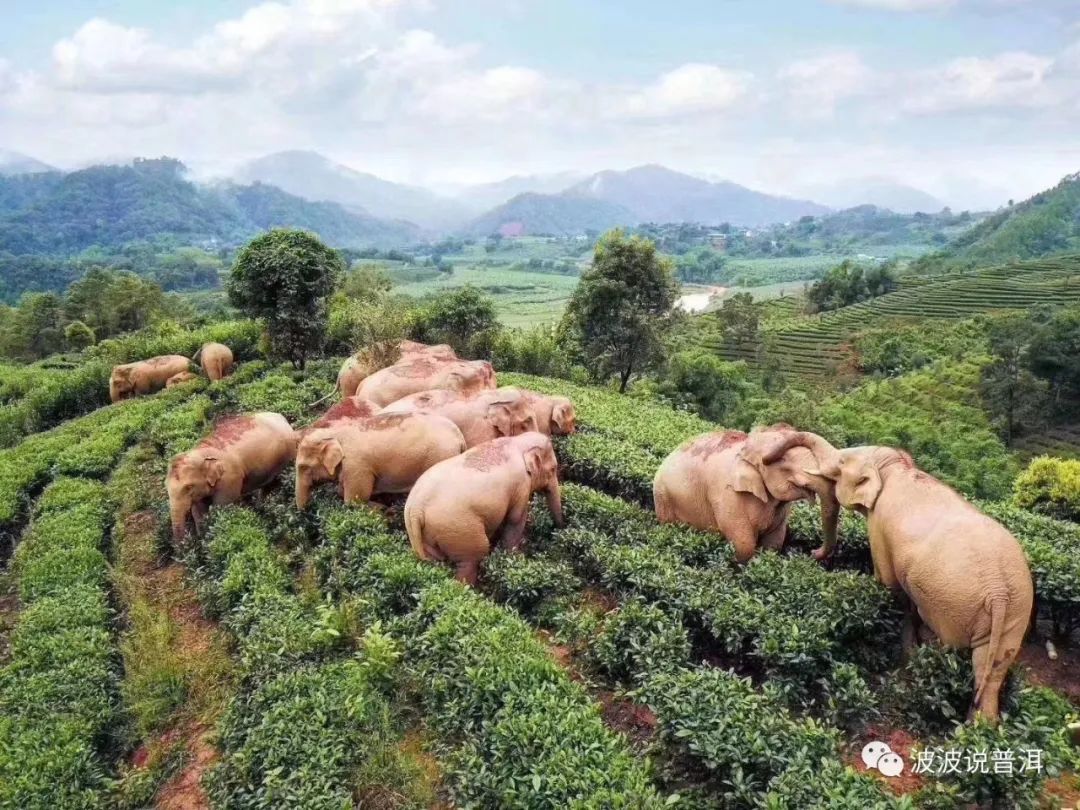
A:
<point x="417" y="419"/>
<point x="147" y="376"/>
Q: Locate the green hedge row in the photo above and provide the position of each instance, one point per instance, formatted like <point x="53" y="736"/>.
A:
<point x="58" y="692"/>
<point x="305" y="719"/>
<point x="520" y="732"/>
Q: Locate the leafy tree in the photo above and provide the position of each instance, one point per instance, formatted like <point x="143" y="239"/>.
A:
<point x="848" y="283"/>
<point x="1054" y="354"/>
<point x="1016" y="398"/>
<point x="78" y="335"/>
<point x="713" y="387"/>
<point x="35" y="328"/>
<point x="285" y="278"/>
<point x="740" y="319"/>
<point x="622" y="308"/>
<point x="464" y="318"/>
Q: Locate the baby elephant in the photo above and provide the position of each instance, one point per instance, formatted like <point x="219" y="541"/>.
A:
<point x="385" y="453"/>
<point x="460" y="505"/>
<point x="964" y="573"/>
<point x="481" y="418"/>
<point x="244" y="453"/>
<point x="216" y="360"/>
<point x="180" y="379"/>
<point x="145" y="376"/>
<point x="554" y="415"/>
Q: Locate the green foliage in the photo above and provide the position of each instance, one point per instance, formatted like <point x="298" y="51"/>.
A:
<point x="57" y="692"/>
<point x="621" y="308"/>
<point x="637" y="639"/>
<point x="849" y="283"/>
<point x="532" y="351"/>
<point x="525" y="583"/>
<point x="464" y="318"/>
<point x="284" y="278"/>
<point x="1050" y="486"/>
<point x="700" y="381"/>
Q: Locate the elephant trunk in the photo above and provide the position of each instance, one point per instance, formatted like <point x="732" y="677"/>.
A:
<point x="554" y="503"/>
<point x="830" y="516"/>
<point x="178" y="513"/>
<point x="825" y="454"/>
<point x="303" y="490"/>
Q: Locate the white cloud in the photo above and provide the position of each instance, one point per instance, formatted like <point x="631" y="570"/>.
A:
<point x="1008" y="80"/>
<point x="897" y="5"/>
<point x="815" y="86"/>
<point x="972" y="5"/>
<point x="690" y="89"/>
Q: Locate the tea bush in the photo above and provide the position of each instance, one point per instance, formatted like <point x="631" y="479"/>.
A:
<point x="1050" y="486"/>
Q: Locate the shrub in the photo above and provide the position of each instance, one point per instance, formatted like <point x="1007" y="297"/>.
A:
<point x="637" y="640"/>
<point x="1050" y="486"/>
<point x="526" y="582"/>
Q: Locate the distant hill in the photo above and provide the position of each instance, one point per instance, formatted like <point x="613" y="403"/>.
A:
<point x="657" y="194"/>
<point x="550" y="214"/>
<point x="108" y="206"/>
<point x="12" y="163"/>
<point x="317" y="178"/>
<point x="1048" y="224"/>
<point x="489" y="195"/>
<point x="880" y="192"/>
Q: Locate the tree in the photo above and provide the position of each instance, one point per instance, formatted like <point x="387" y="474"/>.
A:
<point x="284" y="278"/>
<point x="78" y="335"/>
<point x="622" y="308"/>
<point x="463" y="318"/>
<point x="740" y="319"/>
<point x="1015" y="397"/>
<point x="713" y="387"/>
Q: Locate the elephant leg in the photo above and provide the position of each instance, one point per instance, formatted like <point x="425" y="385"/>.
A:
<point x="745" y="545"/>
<point x="357" y="486"/>
<point x="467" y="571"/>
<point x="198" y="517"/>
<point x="909" y="631"/>
<point x="665" y="512"/>
<point x="774" y="538"/>
<point x="512" y="533"/>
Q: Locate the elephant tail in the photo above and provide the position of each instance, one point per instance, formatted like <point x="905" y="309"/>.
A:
<point x="414" y="527"/>
<point x="997" y="606"/>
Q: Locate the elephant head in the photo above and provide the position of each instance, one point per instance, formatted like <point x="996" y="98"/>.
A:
<point x="191" y="480"/>
<point x="121" y="384"/>
<point x="318" y="458"/>
<point x="543" y="470"/>
<point x="859" y="473"/>
<point x="562" y="416"/>
<point x="511" y="417"/>
<point x="774" y="462"/>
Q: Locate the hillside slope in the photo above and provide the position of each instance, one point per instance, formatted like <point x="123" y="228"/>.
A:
<point x="1048" y="224"/>
<point x="108" y="206"/>
<point x="550" y="214"/>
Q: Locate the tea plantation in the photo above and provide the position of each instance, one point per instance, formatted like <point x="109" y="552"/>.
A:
<point x="617" y="663"/>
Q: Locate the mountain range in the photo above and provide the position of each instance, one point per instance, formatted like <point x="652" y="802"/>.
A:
<point x="13" y="163"/>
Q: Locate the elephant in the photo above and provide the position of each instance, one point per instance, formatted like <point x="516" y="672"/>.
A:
<point x="145" y="376"/>
<point x="381" y="355"/>
<point x="736" y="484"/>
<point x="461" y="504"/>
<point x="423" y="373"/>
<point x="963" y="574"/>
<point x="386" y="453"/>
<point x="348" y="410"/>
<point x="216" y="360"/>
<point x="180" y="379"/>
<point x="555" y="416"/>
<point x="243" y="453"/>
<point x="481" y="418"/>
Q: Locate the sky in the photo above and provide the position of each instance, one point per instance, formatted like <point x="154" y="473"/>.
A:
<point x="975" y="101"/>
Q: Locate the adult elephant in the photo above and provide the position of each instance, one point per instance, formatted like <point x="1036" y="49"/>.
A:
<point x="145" y="376"/>
<point x="357" y="367"/>
<point x="425" y="374"/>
<point x="216" y="360"/>
<point x="963" y="573"/>
<point x="481" y="418"/>
<point x="242" y="454"/>
<point x="350" y="409"/>
<point x="460" y="505"/>
<point x="386" y="453"/>
<point x="741" y="486"/>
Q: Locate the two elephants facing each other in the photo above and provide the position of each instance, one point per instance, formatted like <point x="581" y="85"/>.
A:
<point x="151" y="375"/>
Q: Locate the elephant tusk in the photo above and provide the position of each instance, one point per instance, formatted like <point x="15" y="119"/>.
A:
<point x="1051" y="650"/>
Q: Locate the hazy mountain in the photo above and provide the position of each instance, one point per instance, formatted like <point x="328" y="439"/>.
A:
<point x="488" y="195"/>
<point x="12" y="163"/>
<point x="1045" y="225"/>
<point x="879" y="191"/>
<point x="553" y="214"/>
<point x="315" y="177"/>
<point x="656" y="194"/>
<point x="109" y="206"/>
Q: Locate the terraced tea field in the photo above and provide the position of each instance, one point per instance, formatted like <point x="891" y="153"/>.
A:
<point x="819" y="345"/>
<point x="617" y="663"/>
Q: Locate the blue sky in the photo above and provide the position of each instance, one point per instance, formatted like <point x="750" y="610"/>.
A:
<point x="974" y="100"/>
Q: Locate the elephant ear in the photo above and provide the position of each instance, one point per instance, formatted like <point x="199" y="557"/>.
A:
<point x="499" y="417"/>
<point x="560" y="418"/>
<point x="332" y="454"/>
<point x="748" y="479"/>
<point x="214" y="470"/>
<point x="534" y="461"/>
<point x="868" y="485"/>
